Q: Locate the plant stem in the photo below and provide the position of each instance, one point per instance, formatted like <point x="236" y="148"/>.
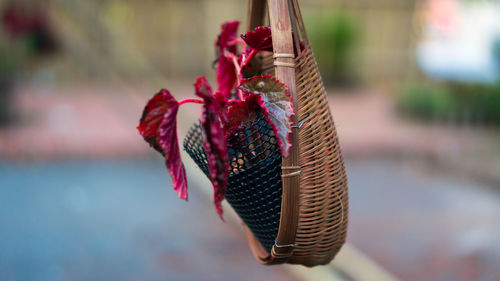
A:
<point x="240" y="94"/>
<point x="236" y="41"/>
<point x="190" y="101"/>
<point x="237" y="66"/>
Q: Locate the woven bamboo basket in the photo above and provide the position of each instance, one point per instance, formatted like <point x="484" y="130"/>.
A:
<point x="295" y="208"/>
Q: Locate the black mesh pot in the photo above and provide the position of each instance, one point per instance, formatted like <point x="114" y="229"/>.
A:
<point x="254" y="183"/>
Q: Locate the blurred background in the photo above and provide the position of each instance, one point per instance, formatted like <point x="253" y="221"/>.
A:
<point x="413" y="87"/>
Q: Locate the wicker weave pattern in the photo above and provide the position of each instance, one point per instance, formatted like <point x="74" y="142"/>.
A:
<point x="323" y="184"/>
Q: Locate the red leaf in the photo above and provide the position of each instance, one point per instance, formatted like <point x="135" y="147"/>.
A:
<point x="226" y="75"/>
<point x="214" y="141"/>
<point x="260" y="38"/>
<point x="227" y="65"/>
<point x="158" y="126"/>
<point x="276" y="104"/>
<point x="222" y="101"/>
<point x="226" y="39"/>
<point x="239" y="111"/>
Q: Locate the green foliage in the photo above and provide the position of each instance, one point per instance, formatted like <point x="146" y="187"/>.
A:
<point x="452" y="102"/>
<point x="8" y="71"/>
<point x="427" y="102"/>
<point x="7" y="64"/>
<point x="5" y="100"/>
<point x="333" y="37"/>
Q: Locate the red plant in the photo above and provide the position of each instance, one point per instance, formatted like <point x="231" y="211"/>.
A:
<point x="158" y="126"/>
<point x="214" y="141"/>
<point x="222" y="112"/>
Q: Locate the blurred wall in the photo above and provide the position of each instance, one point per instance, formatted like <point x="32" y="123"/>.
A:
<point x="383" y="54"/>
<point x="140" y="38"/>
<point x="147" y="39"/>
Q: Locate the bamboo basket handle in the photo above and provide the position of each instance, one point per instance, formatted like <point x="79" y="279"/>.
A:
<point x="256" y="13"/>
<point x="300" y="21"/>
<point x="280" y="14"/>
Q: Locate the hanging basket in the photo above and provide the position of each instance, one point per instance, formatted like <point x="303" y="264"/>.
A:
<point x="295" y="208"/>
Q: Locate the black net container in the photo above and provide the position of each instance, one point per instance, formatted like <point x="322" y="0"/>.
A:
<point x="254" y="183"/>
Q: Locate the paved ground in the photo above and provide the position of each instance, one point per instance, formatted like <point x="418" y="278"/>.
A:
<point x="120" y="220"/>
<point x="114" y="220"/>
<point x="422" y="224"/>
